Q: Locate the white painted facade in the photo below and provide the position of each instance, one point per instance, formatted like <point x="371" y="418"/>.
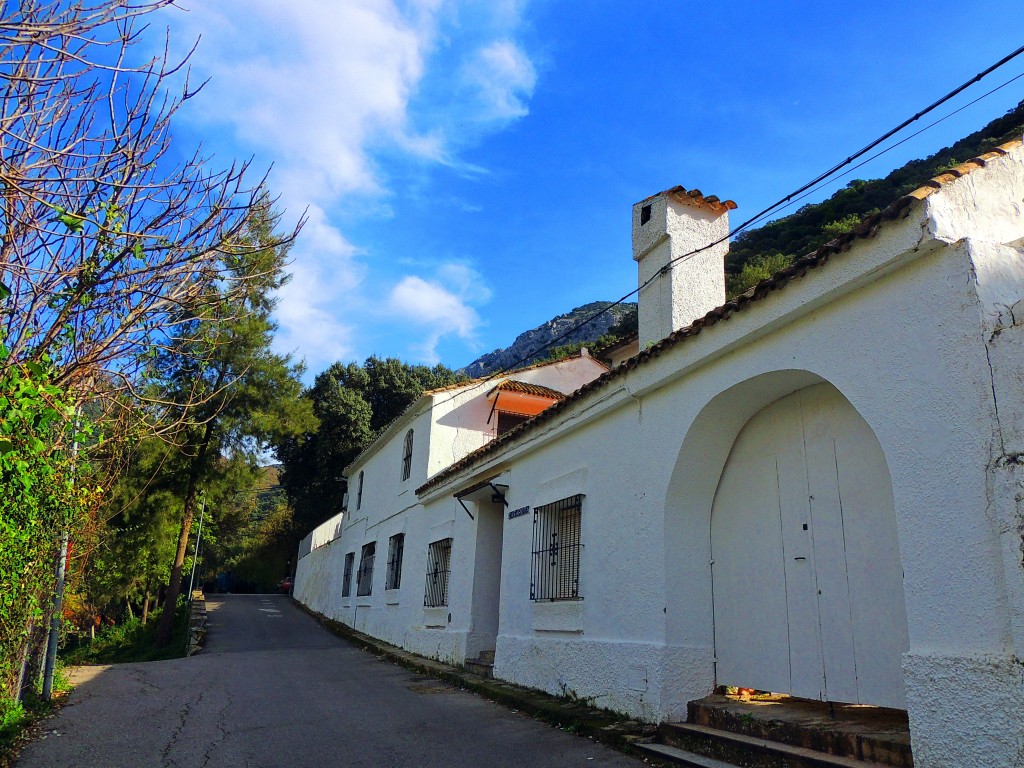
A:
<point x="904" y="356"/>
<point x="447" y="424"/>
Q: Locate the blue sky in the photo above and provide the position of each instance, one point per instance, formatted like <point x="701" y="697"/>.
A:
<point x="469" y="168"/>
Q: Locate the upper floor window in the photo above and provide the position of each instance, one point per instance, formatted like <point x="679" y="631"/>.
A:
<point x="407" y="456"/>
<point x="395" y="548"/>
<point x="555" y="574"/>
<point x="359" y="491"/>
<point x="364" y="576"/>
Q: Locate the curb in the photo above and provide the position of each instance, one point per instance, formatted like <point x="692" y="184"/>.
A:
<point x="196" y="624"/>
<point x="600" y="725"/>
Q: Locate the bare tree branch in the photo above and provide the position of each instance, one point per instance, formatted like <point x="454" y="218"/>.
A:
<point x="110" y="240"/>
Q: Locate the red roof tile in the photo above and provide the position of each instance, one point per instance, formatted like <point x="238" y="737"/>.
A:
<point x="511" y="385"/>
<point x="695" y="197"/>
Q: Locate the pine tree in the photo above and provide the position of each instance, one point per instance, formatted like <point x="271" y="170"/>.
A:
<point x="248" y="396"/>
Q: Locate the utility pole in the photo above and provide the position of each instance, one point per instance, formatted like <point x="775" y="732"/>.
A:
<point x="195" y="554"/>
<point x="58" y="595"/>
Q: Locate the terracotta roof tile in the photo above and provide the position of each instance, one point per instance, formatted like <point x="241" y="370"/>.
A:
<point x="867" y="228"/>
<point x="511" y="385"/>
<point x="695" y="197"/>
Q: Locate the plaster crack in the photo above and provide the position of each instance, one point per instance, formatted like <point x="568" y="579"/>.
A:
<point x="995" y="403"/>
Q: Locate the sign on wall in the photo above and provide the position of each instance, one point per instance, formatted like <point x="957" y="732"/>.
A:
<point x="518" y="512"/>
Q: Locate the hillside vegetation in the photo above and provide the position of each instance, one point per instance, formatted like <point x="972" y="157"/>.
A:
<point x="757" y="253"/>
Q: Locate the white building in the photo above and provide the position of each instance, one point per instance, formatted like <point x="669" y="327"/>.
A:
<point x="815" y="488"/>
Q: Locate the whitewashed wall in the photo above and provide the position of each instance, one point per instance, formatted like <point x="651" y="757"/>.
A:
<point x="446" y="426"/>
<point x="919" y="328"/>
<point x="916" y="327"/>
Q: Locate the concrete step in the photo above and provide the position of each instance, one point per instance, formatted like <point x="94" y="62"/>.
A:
<point x="487" y="657"/>
<point x="872" y="734"/>
<point x="666" y="754"/>
<point x="480" y="668"/>
<point x="750" y="751"/>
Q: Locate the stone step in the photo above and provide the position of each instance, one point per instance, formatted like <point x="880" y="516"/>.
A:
<point x="750" y="751"/>
<point x="487" y="657"/>
<point x="480" y="668"/>
<point x="872" y="734"/>
<point x="666" y="754"/>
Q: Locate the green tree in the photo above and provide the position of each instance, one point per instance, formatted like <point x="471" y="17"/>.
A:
<point x="353" y="403"/>
<point x="134" y="555"/>
<point x="222" y="382"/>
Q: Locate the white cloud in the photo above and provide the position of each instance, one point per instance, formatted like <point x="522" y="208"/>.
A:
<point x="325" y="91"/>
<point x="433" y="310"/>
<point x="503" y="78"/>
<point x="307" y="312"/>
<point x="309" y="83"/>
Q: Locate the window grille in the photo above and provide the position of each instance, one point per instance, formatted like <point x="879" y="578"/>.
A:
<point x="359" y="492"/>
<point x="508" y="421"/>
<point x="439" y="564"/>
<point x="395" y="547"/>
<point x="346" y="582"/>
<point x="407" y="456"/>
<point x="556" y="550"/>
<point x="364" y="576"/>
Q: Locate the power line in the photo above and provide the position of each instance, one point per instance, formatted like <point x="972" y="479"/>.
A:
<point x="792" y="197"/>
<point x="915" y="134"/>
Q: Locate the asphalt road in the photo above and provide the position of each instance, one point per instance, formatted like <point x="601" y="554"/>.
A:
<point x="273" y="688"/>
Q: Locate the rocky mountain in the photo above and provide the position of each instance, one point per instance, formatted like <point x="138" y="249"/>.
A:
<point x="524" y="350"/>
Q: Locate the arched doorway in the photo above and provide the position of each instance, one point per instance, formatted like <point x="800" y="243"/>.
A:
<point x="806" y="575"/>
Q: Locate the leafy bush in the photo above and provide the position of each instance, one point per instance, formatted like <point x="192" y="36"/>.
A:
<point x="12" y="715"/>
<point x="132" y="641"/>
<point x="756" y="270"/>
<point x="38" y="500"/>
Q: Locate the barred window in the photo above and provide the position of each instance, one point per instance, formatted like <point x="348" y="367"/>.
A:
<point x="439" y="565"/>
<point x="407" y="456"/>
<point x="364" y="576"/>
<point x="359" y="492"/>
<point x="346" y="582"/>
<point x="556" y="550"/>
<point x="509" y="421"/>
<point x="395" y="547"/>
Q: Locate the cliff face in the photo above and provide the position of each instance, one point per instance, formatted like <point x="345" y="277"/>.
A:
<point x="523" y="349"/>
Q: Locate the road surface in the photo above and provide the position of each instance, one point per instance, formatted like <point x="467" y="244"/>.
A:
<point x="273" y="688"/>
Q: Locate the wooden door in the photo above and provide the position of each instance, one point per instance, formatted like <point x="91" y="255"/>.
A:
<point x="808" y="592"/>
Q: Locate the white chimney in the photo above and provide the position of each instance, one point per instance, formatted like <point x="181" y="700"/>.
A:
<point x="667" y="227"/>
